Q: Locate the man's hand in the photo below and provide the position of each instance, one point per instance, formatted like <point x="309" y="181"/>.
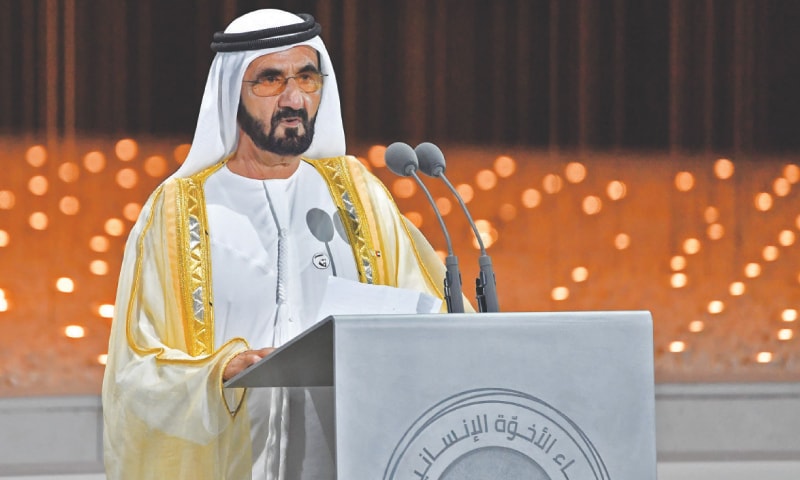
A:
<point x="244" y="360"/>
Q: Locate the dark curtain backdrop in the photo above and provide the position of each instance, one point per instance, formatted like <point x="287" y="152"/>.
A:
<point x="677" y="75"/>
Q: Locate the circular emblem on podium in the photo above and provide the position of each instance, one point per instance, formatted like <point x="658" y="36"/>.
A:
<point x="494" y="433"/>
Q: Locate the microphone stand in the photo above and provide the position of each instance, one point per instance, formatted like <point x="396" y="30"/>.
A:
<point x="452" y="279"/>
<point x="485" y="284"/>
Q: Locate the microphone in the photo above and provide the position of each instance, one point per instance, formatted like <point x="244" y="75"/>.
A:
<point x="431" y="163"/>
<point x="401" y="159"/>
<point x="321" y="226"/>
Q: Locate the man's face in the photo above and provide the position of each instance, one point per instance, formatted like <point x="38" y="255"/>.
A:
<point x="284" y="123"/>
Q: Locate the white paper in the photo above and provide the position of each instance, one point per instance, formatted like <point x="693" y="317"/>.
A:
<point x="346" y="297"/>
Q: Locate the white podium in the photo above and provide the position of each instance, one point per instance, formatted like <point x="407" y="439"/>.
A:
<point x="565" y="395"/>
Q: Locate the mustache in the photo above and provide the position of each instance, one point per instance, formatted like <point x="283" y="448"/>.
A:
<point x="288" y="112"/>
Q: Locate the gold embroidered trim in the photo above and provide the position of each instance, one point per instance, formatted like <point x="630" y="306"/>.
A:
<point x="347" y="201"/>
<point x="439" y="289"/>
<point x="132" y="301"/>
<point x="194" y="262"/>
<point x="357" y="174"/>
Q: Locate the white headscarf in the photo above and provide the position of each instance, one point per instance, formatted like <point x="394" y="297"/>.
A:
<point x="216" y="135"/>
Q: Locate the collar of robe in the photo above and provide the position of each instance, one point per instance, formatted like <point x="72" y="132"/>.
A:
<point x="268" y="37"/>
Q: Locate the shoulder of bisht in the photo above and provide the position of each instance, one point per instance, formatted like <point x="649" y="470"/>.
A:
<point x="189" y="253"/>
<point x="346" y="180"/>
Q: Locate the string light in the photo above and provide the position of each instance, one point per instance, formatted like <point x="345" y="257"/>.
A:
<point x="75" y="331"/>
<point x="575" y="172"/>
<point x="65" y="285"/>
<point x="677" y="346"/>
<point x="560" y="294"/>
<point x="764" y="357"/>
<point x="126" y="149"/>
<point x="723" y="169"/>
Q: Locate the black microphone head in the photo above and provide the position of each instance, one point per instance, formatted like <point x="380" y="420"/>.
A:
<point x="430" y="158"/>
<point x="401" y="159"/>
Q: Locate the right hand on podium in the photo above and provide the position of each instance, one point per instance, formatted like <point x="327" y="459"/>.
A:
<point x="243" y="360"/>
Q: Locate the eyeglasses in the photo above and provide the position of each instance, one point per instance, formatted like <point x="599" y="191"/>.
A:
<point x="271" y="85"/>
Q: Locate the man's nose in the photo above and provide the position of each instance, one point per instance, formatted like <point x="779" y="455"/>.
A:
<point x="292" y="95"/>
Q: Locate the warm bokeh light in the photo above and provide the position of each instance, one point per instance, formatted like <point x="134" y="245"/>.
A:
<point x="785" y="334"/>
<point x="592" y="205"/>
<point x="575" y="172"/>
<point x="106" y="310"/>
<point x="376" y="156"/>
<point x="98" y="267"/>
<point x="74" y="331"/>
<point x="723" y="168"/>
<point x="114" y="227"/>
<point x="69" y="205"/>
<point x="102" y="359"/>
<point x="415" y="218"/>
<point x="444" y="205"/>
<point x="404" y="187"/>
<point x="789" y="315"/>
<point x="552" y="183"/>
<point x="181" y="152"/>
<point x="504" y="166"/>
<point x="677" y="346"/>
<point x="155" y="166"/>
<point x="486" y="179"/>
<point x="38" y="221"/>
<point x="763" y="201"/>
<point x="487" y="232"/>
<point x="770" y="253"/>
<point x="737" y="289"/>
<point x="616" y="190"/>
<point x="786" y="238"/>
<point x="131" y="211"/>
<point x="678" y="280"/>
<point x="580" y="274"/>
<point x="94" y="162"/>
<point x="691" y="246"/>
<point x="507" y="212"/>
<point x="716" y="306"/>
<point x="677" y="262"/>
<point x="622" y="241"/>
<point x="559" y="294"/>
<point x="126" y="149"/>
<point x="4" y="306"/>
<point x="36" y="156"/>
<point x="5" y="238"/>
<point x="466" y="192"/>
<point x="531" y="198"/>
<point x="764" y="357"/>
<point x="65" y="285"/>
<point x="7" y="199"/>
<point x="696" y="326"/>
<point x="99" y="243"/>
<point x="781" y="187"/>
<point x="715" y="231"/>
<point x="38" y="185"/>
<point x="752" y="270"/>
<point x="69" y="172"/>
<point x="127" y="178"/>
<point x="711" y="214"/>
<point x="791" y="172"/>
<point x="684" y="181"/>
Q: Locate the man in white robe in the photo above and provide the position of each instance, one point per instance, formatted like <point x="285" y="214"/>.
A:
<point x="229" y="259"/>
